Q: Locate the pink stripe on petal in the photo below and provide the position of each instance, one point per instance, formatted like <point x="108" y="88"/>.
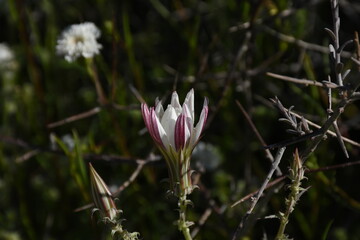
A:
<point x="146" y="114"/>
<point x="180" y="131"/>
<point x="154" y="128"/>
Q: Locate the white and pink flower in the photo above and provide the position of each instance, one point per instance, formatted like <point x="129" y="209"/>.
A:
<point x="174" y="128"/>
<point x="174" y="133"/>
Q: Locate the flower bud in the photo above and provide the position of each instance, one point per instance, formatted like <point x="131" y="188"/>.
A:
<point x="102" y="196"/>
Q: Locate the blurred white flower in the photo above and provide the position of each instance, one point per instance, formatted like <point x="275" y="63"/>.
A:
<point x="79" y="40"/>
<point x="8" y="66"/>
<point x="207" y="156"/>
<point x="7" y="58"/>
<point x="6" y="55"/>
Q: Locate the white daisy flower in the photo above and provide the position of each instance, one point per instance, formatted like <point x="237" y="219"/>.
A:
<point x="79" y="40"/>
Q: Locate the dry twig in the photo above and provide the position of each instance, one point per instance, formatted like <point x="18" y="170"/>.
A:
<point x="275" y="164"/>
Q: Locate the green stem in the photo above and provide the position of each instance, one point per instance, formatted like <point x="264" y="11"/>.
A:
<point x="182" y="223"/>
<point x="284" y="219"/>
<point x="296" y="175"/>
<point x="95" y="78"/>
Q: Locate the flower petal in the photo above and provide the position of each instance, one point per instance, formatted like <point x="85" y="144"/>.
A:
<point x="157" y="131"/>
<point x="159" y="110"/>
<point x="168" y="122"/>
<point x="182" y="132"/>
<point x="189" y="119"/>
<point x="175" y="103"/>
<point x="200" y="125"/>
<point x="189" y="102"/>
<point x="146" y="115"/>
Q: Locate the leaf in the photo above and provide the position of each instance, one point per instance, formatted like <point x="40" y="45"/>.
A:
<point x="326" y="231"/>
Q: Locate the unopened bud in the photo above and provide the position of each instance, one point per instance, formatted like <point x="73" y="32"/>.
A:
<point x="102" y="196"/>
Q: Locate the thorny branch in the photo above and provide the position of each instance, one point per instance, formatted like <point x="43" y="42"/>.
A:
<point x="275" y="164"/>
<point x="301" y="128"/>
<point x="324" y="84"/>
<point x="282" y="178"/>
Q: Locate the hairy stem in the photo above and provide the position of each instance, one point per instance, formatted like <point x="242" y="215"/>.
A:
<point x="183" y="225"/>
<point x="284" y="218"/>
<point x="118" y="233"/>
<point x="296" y="175"/>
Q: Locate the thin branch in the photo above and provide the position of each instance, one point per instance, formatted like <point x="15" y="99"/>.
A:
<point x="140" y="165"/>
<point x="204" y="217"/>
<point x="340" y="140"/>
<point x="87" y="156"/>
<point x="230" y="74"/>
<point x="137" y="94"/>
<point x="212" y="208"/>
<point x="278" y="157"/>
<point x="333" y="167"/>
<point x="280" y="15"/>
<point x="324" y="84"/>
<point x="27" y="156"/>
<point x="357" y="47"/>
<point x="300" y="43"/>
<point x="336" y="23"/>
<point x="319" y="134"/>
<point x="132" y="178"/>
<point x="282" y="178"/>
<point x="250" y="195"/>
<point x="292" y="141"/>
<point x="259" y="137"/>
<point x="356" y="61"/>
<point x="76" y="117"/>
<point x="352" y="142"/>
<point x="329" y="122"/>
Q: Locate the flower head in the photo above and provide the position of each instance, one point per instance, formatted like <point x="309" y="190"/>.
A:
<point x="102" y="196"/>
<point x="174" y="133"/>
<point x="79" y="40"/>
<point x="173" y="129"/>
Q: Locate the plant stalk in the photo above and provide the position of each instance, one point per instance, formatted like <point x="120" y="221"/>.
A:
<point x="118" y="233"/>
<point x="296" y="175"/>
<point x="95" y="78"/>
<point x="183" y="225"/>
